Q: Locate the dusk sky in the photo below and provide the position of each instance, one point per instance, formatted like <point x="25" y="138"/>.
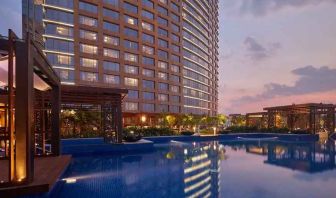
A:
<point x="272" y="52"/>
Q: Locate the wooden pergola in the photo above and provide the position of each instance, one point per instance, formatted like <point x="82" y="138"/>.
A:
<point x="26" y="63"/>
<point x="313" y="117"/>
<point x="32" y="114"/>
<point x="108" y="99"/>
<point x="257" y="119"/>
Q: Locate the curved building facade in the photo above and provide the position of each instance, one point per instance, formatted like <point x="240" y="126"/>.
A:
<point x="165" y="52"/>
<point x="200" y="56"/>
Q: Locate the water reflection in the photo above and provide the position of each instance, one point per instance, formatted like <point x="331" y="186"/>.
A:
<point x="308" y="157"/>
<point x="203" y="169"/>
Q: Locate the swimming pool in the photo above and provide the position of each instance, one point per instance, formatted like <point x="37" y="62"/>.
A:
<point x="240" y="168"/>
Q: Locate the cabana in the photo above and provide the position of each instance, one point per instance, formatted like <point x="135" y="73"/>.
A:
<point x="312" y="117"/>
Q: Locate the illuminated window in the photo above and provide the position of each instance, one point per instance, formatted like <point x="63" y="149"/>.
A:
<point x="88" y="21"/>
<point x="89" y="76"/>
<point x="147" y="26"/>
<point x="131" y="69"/>
<point x="88" y="35"/>
<point x="147" y="49"/>
<point x="87" y="62"/>
<point x="112" y="40"/>
<point x="131" y="20"/>
<point x="111" y="53"/>
<point x="63" y="60"/>
<point x="163" y="76"/>
<point x="89" y="49"/>
<point x="162" y="65"/>
<point x="111" y="79"/>
<point x="131" y="57"/>
<point x="131" y="81"/>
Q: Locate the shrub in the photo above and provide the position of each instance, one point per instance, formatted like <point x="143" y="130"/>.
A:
<point x="150" y="131"/>
<point x="131" y="135"/>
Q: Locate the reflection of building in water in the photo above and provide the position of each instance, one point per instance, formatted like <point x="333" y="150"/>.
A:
<point x="201" y="170"/>
<point x="257" y="149"/>
<point x="304" y="157"/>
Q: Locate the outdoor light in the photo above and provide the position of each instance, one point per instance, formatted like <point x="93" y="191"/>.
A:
<point x="143" y="118"/>
<point x="185" y="151"/>
<point x="214" y="129"/>
<point x="70" y="180"/>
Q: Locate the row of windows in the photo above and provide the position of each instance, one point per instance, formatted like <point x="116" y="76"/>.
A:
<point x="195" y="58"/>
<point x="148" y="107"/>
<point x="111" y="66"/>
<point x="196" y="85"/>
<point x="128" y="31"/>
<point x="195" y="111"/>
<point x="195" y="49"/>
<point x="195" y="76"/>
<point x="195" y="93"/>
<point x="195" y="67"/>
<point x="112" y="53"/>
<point x="195" y="40"/>
<point x="195" y="102"/>
<point x="195" y="13"/>
<point x="133" y="82"/>
<point x="160" y="97"/>
<point x="195" y="22"/>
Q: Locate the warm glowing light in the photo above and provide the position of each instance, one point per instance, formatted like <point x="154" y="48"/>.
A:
<point x="70" y="180"/>
<point x="194" y="177"/>
<point x="143" y="118"/>
<point x="198" y="193"/>
<point x="199" y="166"/>
<point x="196" y="185"/>
<point x="199" y="157"/>
<point x="214" y="129"/>
<point x="185" y="151"/>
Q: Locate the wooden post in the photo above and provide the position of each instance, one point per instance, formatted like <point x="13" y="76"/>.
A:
<point x="10" y="111"/>
<point x="55" y="119"/>
<point x="118" y="121"/>
<point x="24" y="113"/>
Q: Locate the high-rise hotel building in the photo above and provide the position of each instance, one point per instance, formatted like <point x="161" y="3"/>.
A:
<point x="165" y="52"/>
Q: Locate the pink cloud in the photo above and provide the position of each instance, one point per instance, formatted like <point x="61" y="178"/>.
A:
<point x="324" y="97"/>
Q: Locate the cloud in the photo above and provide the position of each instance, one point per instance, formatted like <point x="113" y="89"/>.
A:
<point x="311" y="80"/>
<point x="264" y="7"/>
<point x="257" y="51"/>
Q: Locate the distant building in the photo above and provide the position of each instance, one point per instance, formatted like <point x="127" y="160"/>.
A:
<point x="311" y="117"/>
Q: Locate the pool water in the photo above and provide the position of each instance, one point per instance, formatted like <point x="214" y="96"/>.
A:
<point x="207" y="169"/>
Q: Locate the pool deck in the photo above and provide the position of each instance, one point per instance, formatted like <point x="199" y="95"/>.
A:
<point x="47" y="172"/>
